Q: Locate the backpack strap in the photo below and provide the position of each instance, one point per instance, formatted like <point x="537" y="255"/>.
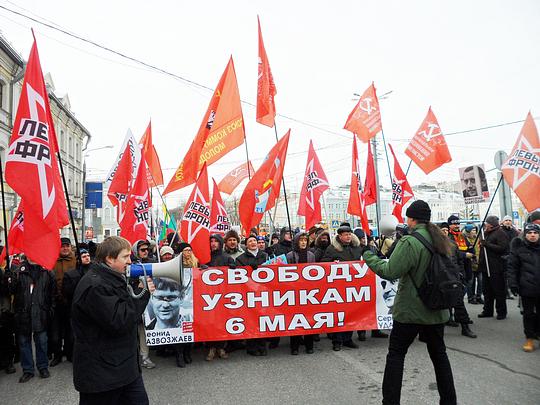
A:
<point x="424" y="242"/>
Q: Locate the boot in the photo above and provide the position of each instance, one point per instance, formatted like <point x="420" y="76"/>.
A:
<point x="180" y="360"/>
<point x="361" y="335"/>
<point x="222" y="354"/>
<point x="528" y="346"/>
<point x="211" y="354"/>
<point x="57" y="359"/>
<point x="379" y="334"/>
<point x="451" y="322"/>
<point x="466" y="331"/>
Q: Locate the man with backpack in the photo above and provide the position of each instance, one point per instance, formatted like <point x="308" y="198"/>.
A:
<point x="410" y="261"/>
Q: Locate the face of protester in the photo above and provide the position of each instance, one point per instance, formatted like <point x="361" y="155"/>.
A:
<point x="166" y="257"/>
<point x="488" y="227"/>
<point x="363" y="241"/>
<point x="454" y="227"/>
<point x="187" y="253"/>
<point x="214" y="244"/>
<point x="389" y="292"/>
<point x="324" y="239"/>
<point x="345" y="237"/>
<point x="470" y="183"/>
<point x="231" y="243"/>
<point x="445" y="231"/>
<point x="119" y="263"/>
<point x="411" y="222"/>
<point x="507" y="223"/>
<point x="65" y="250"/>
<point x="287" y="236"/>
<point x="251" y="244"/>
<point x="532" y="236"/>
<point x="142" y="251"/>
<point x="275" y="240"/>
<point x="474" y="232"/>
<point x="166" y="306"/>
<point x="85" y="258"/>
<point x="302" y="243"/>
<point x="261" y="244"/>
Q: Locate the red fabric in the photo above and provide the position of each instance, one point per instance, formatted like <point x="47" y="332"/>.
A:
<point x="134" y="222"/>
<point x="121" y="183"/>
<point x="315" y="183"/>
<point x="428" y="148"/>
<point x="521" y="168"/>
<point x="219" y="219"/>
<point x="149" y="153"/>
<point x="15" y="235"/>
<point x="365" y="119"/>
<point x="266" y="89"/>
<point x="32" y="168"/>
<point x="235" y="177"/>
<point x="357" y="204"/>
<point x="221" y="130"/>
<point x="195" y="224"/>
<point x="262" y="191"/>
<point x="370" y="186"/>
<point x="401" y="189"/>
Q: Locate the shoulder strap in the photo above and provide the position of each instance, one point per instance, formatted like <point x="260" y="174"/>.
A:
<point x="424" y="242"/>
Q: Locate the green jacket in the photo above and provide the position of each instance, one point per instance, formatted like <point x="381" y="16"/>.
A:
<point x="409" y="260"/>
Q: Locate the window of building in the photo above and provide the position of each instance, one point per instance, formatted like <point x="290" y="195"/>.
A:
<point x="77" y="152"/>
<point x="2" y="85"/>
<point x="107" y="233"/>
<point x="70" y="187"/>
<point x="107" y="214"/>
<point x="117" y="231"/>
<point x="70" y="146"/>
<point x="76" y="189"/>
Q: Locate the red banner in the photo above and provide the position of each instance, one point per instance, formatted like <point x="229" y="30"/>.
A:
<point x="284" y="300"/>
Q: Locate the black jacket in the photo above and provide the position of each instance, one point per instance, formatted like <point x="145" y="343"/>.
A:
<point x="319" y="249"/>
<point x="281" y="248"/>
<point x="219" y="257"/>
<point x="496" y="245"/>
<point x="33" y="310"/>
<point x="343" y="253"/>
<point x="104" y="321"/>
<point x="294" y="255"/>
<point x="247" y="259"/>
<point x="524" y="267"/>
<point x="71" y="279"/>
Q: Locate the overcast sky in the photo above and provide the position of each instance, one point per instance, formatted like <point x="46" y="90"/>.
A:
<point x="477" y="63"/>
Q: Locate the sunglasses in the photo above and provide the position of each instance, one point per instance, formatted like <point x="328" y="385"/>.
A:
<point x="143" y="249"/>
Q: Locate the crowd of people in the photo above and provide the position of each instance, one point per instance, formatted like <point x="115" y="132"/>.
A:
<point x="496" y="263"/>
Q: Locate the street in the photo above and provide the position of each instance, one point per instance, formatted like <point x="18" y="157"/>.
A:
<point x="489" y="370"/>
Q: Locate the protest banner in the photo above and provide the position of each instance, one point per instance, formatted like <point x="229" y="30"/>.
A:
<point x="474" y="184"/>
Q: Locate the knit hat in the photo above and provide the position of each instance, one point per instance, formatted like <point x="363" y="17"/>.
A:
<point x="419" y="210"/>
<point x="507" y="218"/>
<point x="166" y="249"/>
<point x="493" y="220"/>
<point x="251" y="236"/>
<point x="182" y="246"/>
<point x="531" y="228"/>
<point x="232" y="234"/>
<point x="444" y="225"/>
<point x="359" y="233"/>
<point x="260" y="238"/>
<point x="469" y="227"/>
<point x="453" y="220"/>
<point x="83" y="251"/>
<point x="535" y="216"/>
<point x="65" y="241"/>
<point x="343" y="228"/>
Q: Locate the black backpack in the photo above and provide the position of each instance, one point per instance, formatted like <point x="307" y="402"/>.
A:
<point x="441" y="287"/>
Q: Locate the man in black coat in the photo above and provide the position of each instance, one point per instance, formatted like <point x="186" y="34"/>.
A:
<point x="495" y="246"/>
<point x="284" y="245"/>
<point x="217" y="256"/>
<point x="34" y="289"/>
<point x="345" y="247"/>
<point x="321" y="244"/>
<point x="106" y="366"/>
<point x="524" y="278"/>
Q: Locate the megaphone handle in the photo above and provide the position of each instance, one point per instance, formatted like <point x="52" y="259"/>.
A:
<point x="144" y="282"/>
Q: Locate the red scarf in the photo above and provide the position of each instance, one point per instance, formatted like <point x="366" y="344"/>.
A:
<point x="460" y="240"/>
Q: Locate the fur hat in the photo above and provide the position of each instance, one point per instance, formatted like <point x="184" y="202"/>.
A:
<point x="232" y="234"/>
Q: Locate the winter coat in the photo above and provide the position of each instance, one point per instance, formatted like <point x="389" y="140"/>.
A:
<point x="248" y="259"/>
<point x="62" y="266"/>
<point x="338" y="252"/>
<point x="281" y="248"/>
<point x="71" y="279"/>
<point x="511" y="232"/>
<point x="294" y="257"/>
<point x="233" y="253"/>
<point x="496" y="245"/>
<point x="33" y="289"/>
<point x="319" y="249"/>
<point x="104" y="322"/>
<point x="475" y="251"/>
<point x="409" y="261"/>
<point x="219" y="257"/>
<point x="524" y="267"/>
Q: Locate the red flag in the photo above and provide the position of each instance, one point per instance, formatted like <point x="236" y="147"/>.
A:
<point x="15" y="235"/>
<point x="370" y="186"/>
<point x="365" y="119"/>
<point x="262" y="191"/>
<point x="221" y="130"/>
<point x="235" y="177"/>
<point x="357" y="204"/>
<point x="315" y="183"/>
<point x="148" y="151"/>
<point x="32" y="169"/>
<point x="428" y="148"/>
<point x="121" y="183"/>
<point x="401" y="189"/>
<point x="134" y="222"/>
<point x="266" y="89"/>
<point x="219" y="220"/>
<point x="195" y="225"/>
<point x="521" y="169"/>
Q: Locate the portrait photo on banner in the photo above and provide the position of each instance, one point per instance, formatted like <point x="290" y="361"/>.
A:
<point x="386" y="294"/>
<point x="168" y="317"/>
<point x="474" y="184"/>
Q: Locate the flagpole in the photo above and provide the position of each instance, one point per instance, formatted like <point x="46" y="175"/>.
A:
<point x="408" y="167"/>
<point x="6" y="245"/>
<point x="284" y="189"/>
<point x="386" y="153"/>
<point x="247" y="156"/>
<point x="378" y="194"/>
<point x="487" y="211"/>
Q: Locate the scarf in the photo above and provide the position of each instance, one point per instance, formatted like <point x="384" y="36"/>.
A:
<point x="460" y="240"/>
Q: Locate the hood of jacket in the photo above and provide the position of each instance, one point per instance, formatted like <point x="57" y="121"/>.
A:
<point x="339" y="246"/>
<point x="296" y="241"/>
<point x="319" y="239"/>
<point x="219" y="238"/>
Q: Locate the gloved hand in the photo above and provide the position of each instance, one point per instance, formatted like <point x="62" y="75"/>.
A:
<point x="365" y="249"/>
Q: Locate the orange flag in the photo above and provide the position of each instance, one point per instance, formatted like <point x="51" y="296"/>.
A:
<point x="235" y="177"/>
<point x="149" y="153"/>
<point x="522" y="168"/>
<point x="365" y="119"/>
<point x="221" y="130"/>
<point x="357" y="203"/>
<point x="263" y="189"/>
<point x="428" y="148"/>
<point x="266" y="89"/>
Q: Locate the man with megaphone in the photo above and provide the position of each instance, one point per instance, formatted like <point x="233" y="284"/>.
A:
<point x="106" y="365"/>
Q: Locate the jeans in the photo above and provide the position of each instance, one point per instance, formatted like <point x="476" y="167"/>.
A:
<point x="402" y="336"/>
<point x="132" y="394"/>
<point x="27" y="357"/>
<point x="531" y="316"/>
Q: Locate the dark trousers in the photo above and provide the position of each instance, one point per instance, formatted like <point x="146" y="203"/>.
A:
<point x="477" y="284"/>
<point x="401" y="338"/>
<point x="342" y="337"/>
<point x="495" y="293"/>
<point x="460" y="312"/>
<point x="27" y="357"/>
<point x="131" y="394"/>
<point x="59" y="331"/>
<point x="531" y="316"/>
<point x="253" y="345"/>
<point x="217" y="344"/>
<point x="297" y="340"/>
